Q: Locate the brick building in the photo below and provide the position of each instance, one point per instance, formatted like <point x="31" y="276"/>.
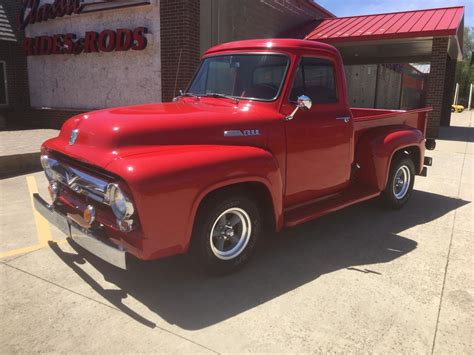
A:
<point x="89" y="55"/>
<point x="92" y="77"/>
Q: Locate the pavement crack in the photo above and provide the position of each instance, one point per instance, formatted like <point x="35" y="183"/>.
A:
<point x="106" y="305"/>
<point x="19" y="256"/>
<point x="449" y="253"/>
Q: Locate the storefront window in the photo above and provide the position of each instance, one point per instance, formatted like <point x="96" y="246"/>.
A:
<point x="3" y="84"/>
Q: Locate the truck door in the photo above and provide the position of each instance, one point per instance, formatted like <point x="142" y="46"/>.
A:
<point x="319" y="140"/>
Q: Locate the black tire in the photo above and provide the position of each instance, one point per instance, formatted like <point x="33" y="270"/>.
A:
<point x="401" y="164"/>
<point x="208" y="217"/>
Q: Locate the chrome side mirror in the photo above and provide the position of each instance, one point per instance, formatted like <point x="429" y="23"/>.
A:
<point x="303" y="102"/>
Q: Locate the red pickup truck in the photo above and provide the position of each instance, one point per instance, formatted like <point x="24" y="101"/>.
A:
<point x="262" y="137"/>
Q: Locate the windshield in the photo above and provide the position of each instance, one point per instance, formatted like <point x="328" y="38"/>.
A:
<point x="248" y="76"/>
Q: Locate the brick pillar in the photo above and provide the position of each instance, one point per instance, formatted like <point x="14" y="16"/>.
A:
<point x="448" y="95"/>
<point x="180" y="32"/>
<point x="435" y="93"/>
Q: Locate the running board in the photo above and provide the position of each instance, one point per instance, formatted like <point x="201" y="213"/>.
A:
<point x="308" y="212"/>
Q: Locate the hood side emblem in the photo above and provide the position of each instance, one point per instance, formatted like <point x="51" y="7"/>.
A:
<point x="244" y="133"/>
<point x="73" y="136"/>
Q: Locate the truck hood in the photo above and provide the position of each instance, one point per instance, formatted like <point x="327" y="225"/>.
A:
<point x="107" y="135"/>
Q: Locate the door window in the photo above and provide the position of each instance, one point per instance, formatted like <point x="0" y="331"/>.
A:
<point x="315" y="77"/>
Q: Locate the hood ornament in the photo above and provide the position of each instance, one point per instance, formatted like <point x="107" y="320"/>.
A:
<point x="73" y="136"/>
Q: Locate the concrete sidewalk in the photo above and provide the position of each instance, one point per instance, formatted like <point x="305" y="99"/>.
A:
<point x="362" y="280"/>
<point x="20" y="150"/>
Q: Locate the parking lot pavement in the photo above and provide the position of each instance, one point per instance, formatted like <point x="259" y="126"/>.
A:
<point x="363" y="279"/>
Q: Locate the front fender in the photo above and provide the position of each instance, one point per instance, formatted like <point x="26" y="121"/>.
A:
<point x="376" y="148"/>
<point x="168" y="185"/>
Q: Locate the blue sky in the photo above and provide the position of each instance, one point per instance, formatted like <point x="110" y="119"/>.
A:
<point x="365" y="7"/>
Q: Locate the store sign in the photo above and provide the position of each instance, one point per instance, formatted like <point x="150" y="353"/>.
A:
<point x="33" y="12"/>
<point x="122" y="39"/>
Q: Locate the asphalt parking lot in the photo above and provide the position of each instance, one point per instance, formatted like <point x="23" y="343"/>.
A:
<point x="360" y="280"/>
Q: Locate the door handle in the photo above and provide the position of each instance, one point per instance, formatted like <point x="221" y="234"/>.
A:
<point x="345" y="118"/>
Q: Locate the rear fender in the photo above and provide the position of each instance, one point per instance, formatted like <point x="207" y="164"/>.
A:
<point x="376" y="149"/>
<point x="168" y="186"/>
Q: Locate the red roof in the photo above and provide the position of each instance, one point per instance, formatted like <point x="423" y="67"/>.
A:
<point x="421" y="23"/>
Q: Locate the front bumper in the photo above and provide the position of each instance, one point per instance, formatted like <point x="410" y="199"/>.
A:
<point x="91" y="240"/>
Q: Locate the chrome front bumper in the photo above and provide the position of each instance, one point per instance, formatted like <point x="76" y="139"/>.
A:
<point x="89" y="240"/>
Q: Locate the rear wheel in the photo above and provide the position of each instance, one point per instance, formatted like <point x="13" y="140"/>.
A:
<point x="400" y="182"/>
<point x="226" y="232"/>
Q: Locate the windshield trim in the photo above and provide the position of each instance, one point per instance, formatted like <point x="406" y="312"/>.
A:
<point x="277" y="96"/>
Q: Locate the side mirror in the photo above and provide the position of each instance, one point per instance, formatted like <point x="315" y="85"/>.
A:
<point x="303" y="102"/>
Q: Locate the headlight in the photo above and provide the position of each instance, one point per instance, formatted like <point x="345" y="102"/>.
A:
<point x="45" y="163"/>
<point x="121" y="205"/>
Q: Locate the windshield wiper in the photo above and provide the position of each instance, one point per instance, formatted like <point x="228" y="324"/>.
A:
<point x="216" y="95"/>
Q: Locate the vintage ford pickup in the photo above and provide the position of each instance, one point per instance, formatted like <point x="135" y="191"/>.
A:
<point x="262" y="137"/>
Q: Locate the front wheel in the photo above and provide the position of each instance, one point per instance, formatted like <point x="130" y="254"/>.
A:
<point x="400" y="182"/>
<point x="226" y="232"/>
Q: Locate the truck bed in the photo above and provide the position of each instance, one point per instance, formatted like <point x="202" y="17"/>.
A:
<point x="365" y="118"/>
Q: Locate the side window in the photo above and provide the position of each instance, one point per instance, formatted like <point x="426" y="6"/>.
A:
<point x="315" y="77"/>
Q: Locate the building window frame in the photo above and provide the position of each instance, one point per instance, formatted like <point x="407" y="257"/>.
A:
<point x="5" y="83"/>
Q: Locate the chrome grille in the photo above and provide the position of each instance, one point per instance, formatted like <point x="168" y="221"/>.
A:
<point x="77" y="180"/>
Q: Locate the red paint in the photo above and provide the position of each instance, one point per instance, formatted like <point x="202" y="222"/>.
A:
<point x="170" y="156"/>
<point x="420" y="23"/>
<point x="107" y="41"/>
<point x="139" y="39"/>
<point x="124" y="39"/>
<point x="31" y="11"/>
<point x="90" y="42"/>
<point x="69" y="40"/>
<point x="93" y="42"/>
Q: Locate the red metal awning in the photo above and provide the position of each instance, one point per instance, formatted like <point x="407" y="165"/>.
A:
<point x="410" y="24"/>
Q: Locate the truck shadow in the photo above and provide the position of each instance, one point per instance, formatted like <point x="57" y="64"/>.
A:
<point x="360" y="235"/>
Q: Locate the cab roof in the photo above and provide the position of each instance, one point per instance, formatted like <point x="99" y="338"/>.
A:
<point x="284" y="44"/>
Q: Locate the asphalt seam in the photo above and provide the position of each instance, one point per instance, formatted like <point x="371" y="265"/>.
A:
<point x="449" y="248"/>
<point x="104" y="304"/>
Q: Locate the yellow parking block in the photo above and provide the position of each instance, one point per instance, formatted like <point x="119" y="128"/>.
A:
<point x="42" y="225"/>
<point x="43" y="230"/>
<point x="19" y="251"/>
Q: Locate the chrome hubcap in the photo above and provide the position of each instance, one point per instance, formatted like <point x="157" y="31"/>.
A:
<point x="230" y="233"/>
<point x="401" y="182"/>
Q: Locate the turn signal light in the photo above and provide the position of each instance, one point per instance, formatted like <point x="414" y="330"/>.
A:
<point x="89" y="214"/>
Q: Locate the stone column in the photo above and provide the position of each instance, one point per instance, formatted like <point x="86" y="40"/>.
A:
<point x="436" y="86"/>
<point x="448" y="95"/>
<point x="180" y="45"/>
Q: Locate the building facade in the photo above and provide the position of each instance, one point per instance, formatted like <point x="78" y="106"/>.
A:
<point x="81" y="56"/>
<point x="59" y="58"/>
